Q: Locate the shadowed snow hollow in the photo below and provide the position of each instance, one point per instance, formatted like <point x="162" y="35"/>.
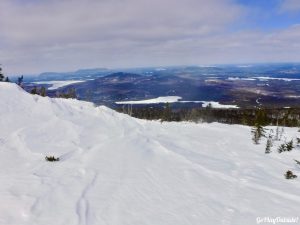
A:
<point x="116" y="170"/>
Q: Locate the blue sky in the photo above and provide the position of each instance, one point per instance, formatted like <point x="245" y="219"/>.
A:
<point x="65" y="35"/>
<point x="268" y="14"/>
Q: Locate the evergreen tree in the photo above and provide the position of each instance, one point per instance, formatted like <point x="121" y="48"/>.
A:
<point x="1" y="75"/>
<point x="298" y="141"/>
<point x="167" y="113"/>
<point x="244" y="120"/>
<point x="34" y="91"/>
<point x="71" y="93"/>
<point x="277" y="132"/>
<point x="209" y="106"/>
<point x="20" y="80"/>
<point x="43" y="92"/>
<point x="193" y="115"/>
<point x="281" y="133"/>
<point x="258" y="131"/>
<point x="290" y="145"/>
<point x="286" y="147"/>
<point x="268" y="145"/>
<point x="282" y="148"/>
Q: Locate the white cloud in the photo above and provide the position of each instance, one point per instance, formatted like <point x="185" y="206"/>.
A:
<point x="60" y="35"/>
<point x="290" y="6"/>
<point x="76" y="20"/>
<point x="36" y="33"/>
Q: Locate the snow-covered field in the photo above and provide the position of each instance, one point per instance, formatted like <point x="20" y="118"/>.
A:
<point x="116" y="170"/>
<point x="276" y="78"/>
<point x="175" y="99"/>
<point x="239" y="78"/>
<point x="218" y="105"/>
<point x="263" y="78"/>
<point x="59" y="83"/>
<point x="164" y="99"/>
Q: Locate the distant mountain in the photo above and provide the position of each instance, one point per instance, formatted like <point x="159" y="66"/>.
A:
<point x="240" y="89"/>
<point x="129" y="86"/>
<point x="79" y="74"/>
<point x="121" y="76"/>
<point x="243" y="85"/>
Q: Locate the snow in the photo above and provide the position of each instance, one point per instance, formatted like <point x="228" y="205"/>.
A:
<point x="58" y="84"/>
<point x="239" y="78"/>
<point x="207" y="66"/>
<point x="276" y="78"/>
<point x="165" y="99"/>
<point x="244" y="66"/>
<point x="117" y="170"/>
<point x="263" y="78"/>
<point x="292" y="96"/>
<point x="175" y="99"/>
<point x="218" y="105"/>
<point x="160" y="69"/>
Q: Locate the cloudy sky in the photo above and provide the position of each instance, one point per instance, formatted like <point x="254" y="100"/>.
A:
<point x="65" y="35"/>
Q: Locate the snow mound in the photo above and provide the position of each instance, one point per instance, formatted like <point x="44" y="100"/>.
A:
<point x="116" y="170"/>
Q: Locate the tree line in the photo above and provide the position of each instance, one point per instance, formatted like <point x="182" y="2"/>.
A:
<point x="2" y="77"/>
<point x="269" y="116"/>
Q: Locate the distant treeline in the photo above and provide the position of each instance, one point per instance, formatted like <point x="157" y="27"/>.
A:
<point x="282" y="117"/>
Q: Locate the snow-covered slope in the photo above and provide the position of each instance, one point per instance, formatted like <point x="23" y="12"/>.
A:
<point x="116" y="170"/>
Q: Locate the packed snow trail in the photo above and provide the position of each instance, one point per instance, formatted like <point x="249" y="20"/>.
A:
<point x="117" y="170"/>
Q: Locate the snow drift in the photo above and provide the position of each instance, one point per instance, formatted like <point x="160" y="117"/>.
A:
<point x="116" y="170"/>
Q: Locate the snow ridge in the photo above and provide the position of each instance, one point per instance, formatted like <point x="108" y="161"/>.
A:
<point x="117" y="170"/>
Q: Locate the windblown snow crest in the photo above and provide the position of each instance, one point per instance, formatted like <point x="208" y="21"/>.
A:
<point x="117" y="170"/>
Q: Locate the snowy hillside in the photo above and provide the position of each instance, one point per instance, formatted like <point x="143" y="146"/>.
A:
<point x="116" y="170"/>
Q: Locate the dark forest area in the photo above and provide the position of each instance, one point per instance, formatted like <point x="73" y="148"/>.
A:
<point x="289" y="117"/>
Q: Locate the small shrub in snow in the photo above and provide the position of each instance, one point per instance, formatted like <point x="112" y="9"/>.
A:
<point x="258" y="132"/>
<point x="269" y="143"/>
<point x="282" y="148"/>
<point x="41" y="91"/>
<point x="279" y="133"/>
<point x="268" y="146"/>
<point x="289" y="175"/>
<point x="71" y="93"/>
<point x="290" y="145"/>
<point x="286" y="147"/>
<point x="51" y="158"/>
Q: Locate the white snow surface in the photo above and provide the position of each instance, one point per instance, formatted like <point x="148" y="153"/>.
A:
<point x="239" y="78"/>
<point x="165" y="99"/>
<point x="276" y="78"/>
<point x="117" y="170"/>
<point x="218" y="105"/>
<point x="262" y="78"/>
<point x="59" y="83"/>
